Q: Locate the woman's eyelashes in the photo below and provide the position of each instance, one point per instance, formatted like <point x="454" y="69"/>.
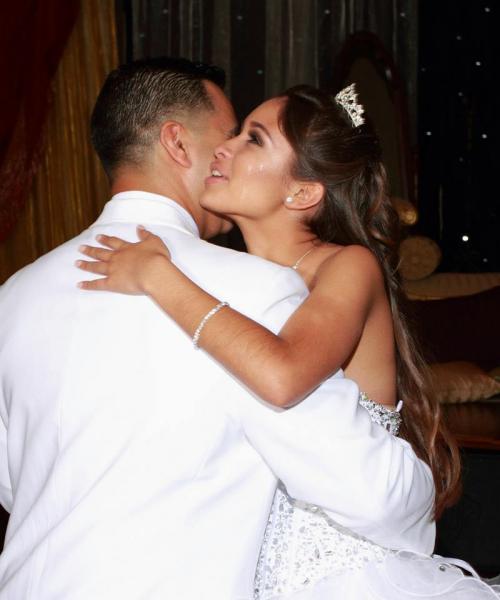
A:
<point x="254" y="138"/>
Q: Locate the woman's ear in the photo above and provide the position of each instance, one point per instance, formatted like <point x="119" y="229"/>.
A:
<point x="173" y="141"/>
<point x="308" y="196"/>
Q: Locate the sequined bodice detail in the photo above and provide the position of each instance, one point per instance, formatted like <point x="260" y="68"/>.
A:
<point x="302" y="544"/>
<point x="380" y="414"/>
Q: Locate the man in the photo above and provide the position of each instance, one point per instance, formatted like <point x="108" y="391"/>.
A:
<point x="133" y="466"/>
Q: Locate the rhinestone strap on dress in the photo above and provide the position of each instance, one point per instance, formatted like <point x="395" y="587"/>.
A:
<point x="380" y="414"/>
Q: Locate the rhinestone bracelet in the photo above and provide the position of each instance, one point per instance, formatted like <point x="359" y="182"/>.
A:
<point x="203" y="322"/>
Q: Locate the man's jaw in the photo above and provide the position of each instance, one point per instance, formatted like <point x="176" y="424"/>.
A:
<point x="215" y="224"/>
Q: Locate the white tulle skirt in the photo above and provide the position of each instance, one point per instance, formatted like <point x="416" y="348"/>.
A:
<point x="401" y="576"/>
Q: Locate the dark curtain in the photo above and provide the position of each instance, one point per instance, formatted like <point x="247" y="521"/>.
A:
<point x="69" y="187"/>
<point x="32" y="37"/>
<point x="267" y="45"/>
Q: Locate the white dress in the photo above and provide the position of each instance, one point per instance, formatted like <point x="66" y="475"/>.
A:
<point x="307" y="556"/>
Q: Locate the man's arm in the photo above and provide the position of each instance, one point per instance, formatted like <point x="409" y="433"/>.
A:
<point x="328" y="452"/>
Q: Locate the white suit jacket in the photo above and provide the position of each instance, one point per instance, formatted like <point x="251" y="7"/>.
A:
<point x="135" y="467"/>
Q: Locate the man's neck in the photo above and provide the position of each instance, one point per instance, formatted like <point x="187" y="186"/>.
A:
<point x="128" y="182"/>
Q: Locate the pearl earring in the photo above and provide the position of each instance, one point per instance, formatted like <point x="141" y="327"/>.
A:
<point x="288" y="200"/>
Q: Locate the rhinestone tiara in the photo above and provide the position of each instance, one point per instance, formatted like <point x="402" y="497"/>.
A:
<point x="348" y="100"/>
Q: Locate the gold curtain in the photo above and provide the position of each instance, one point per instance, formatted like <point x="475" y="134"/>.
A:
<point x="70" y="187"/>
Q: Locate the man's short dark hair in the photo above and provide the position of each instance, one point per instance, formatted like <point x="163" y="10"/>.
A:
<point x="138" y="96"/>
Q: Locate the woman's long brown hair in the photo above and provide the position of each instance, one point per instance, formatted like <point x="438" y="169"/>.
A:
<point x="356" y="209"/>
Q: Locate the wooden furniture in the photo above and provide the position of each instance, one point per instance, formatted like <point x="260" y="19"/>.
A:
<point x="476" y="425"/>
<point x="460" y="328"/>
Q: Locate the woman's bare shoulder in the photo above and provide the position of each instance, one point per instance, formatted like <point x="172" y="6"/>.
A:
<point x="354" y="262"/>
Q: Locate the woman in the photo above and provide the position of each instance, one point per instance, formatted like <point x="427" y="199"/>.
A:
<point x="305" y="184"/>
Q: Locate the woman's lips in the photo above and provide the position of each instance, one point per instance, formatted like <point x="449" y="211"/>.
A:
<point x="211" y="179"/>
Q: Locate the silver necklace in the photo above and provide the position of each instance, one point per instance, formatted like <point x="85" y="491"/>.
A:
<point x="294" y="266"/>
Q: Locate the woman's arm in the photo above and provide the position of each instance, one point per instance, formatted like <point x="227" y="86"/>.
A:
<point x="314" y="343"/>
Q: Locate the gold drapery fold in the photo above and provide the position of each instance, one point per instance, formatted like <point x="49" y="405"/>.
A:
<point x="70" y="187"/>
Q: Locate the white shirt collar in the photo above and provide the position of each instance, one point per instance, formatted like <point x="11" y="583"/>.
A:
<point x="145" y="208"/>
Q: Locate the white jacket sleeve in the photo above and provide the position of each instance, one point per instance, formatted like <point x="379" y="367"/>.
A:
<point x="328" y="452"/>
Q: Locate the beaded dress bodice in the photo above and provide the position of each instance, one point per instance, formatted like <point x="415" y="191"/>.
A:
<point x="302" y="544"/>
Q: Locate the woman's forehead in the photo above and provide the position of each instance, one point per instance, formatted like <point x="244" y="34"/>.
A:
<point x="268" y="111"/>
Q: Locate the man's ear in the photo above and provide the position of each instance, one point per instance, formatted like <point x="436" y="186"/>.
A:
<point x="309" y="195"/>
<point x="173" y="140"/>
